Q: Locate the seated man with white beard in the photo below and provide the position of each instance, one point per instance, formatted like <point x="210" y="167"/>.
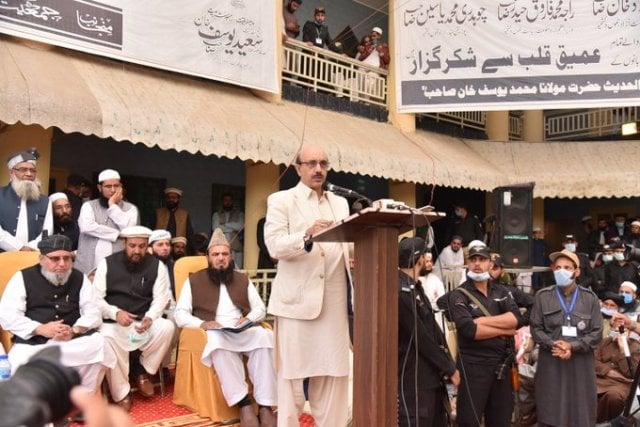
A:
<point x="24" y="212"/>
<point x="219" y="297"/>
<point x="52" y="304"/>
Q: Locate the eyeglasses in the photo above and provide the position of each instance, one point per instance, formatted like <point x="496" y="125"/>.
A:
<point x="56" y="259"/>
<point x="111" y="186"/>
<point x="26" y="170"/>
<point x="324" y="164"/>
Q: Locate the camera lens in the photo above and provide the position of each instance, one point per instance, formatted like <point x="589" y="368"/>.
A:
<point x="38" y="392"/>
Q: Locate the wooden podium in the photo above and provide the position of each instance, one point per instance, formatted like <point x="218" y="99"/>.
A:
<point x="375" y="234"/>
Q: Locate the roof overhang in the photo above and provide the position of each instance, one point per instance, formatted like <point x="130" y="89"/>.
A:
<point x="78" y="92"/>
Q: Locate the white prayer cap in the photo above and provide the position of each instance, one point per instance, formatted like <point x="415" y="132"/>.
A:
<point x="173" y="190"/>
<point x="629" y="285"/>
<point x="135" y="231"/>
<point x="476" y="243"/>
<point x="21" y="157"/>
<point x="57" y="196"/>
<point x="180" y="239"/>
<point x="218" y="239"/>
<point x="377" y="30"/>
<point x="536" y="229"/>
<point x="159" y="235"/>
<point x="634" y="223"/>
<point x="108" y="174"/>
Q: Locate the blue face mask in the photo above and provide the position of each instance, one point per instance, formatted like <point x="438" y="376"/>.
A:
<point x="478" y="277"/>
<point x="608" y="312"/>
<point x="607" y="258"/>
<point x="628" y="299"/>
<point x="563" y="277"/>
<point x="619" y="256"/>
<point x="571" y="247"/>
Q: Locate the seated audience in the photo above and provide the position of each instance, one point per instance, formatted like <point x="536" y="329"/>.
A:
<point x="613" y="367"/>
<point x="219" y="297"/>
<point x="132" y="291"/>
<point x="51" y="304"/>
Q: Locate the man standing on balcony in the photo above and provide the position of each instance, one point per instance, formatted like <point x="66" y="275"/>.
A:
<point x="376" y="53"/>
<point x="315" y="33"/>
<point x="309" y="296"/>
<point x="291" y="26"/>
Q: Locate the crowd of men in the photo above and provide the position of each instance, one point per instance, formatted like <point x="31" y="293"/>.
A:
<point x="116" y="328"/>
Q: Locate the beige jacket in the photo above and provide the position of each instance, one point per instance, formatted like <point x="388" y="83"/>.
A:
<point x="298" y="287"/>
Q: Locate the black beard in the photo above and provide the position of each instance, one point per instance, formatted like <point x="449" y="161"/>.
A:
<point x="171" y="205"/>
<point x="63" y="220"/>
<point x="224" y="275"/>
<point x="165" y="258"/>
<point x="104" y="202"/>
<point x="424" y="272"/>
<point x="132" y="266"/>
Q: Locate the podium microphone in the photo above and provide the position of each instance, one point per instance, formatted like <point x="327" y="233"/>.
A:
<point x="344" y="192"/>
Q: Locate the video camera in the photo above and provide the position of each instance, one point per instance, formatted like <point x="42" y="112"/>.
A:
<point x="38" y="392"/>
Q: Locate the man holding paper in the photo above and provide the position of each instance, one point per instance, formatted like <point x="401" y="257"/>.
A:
<point x="226" y="304"/>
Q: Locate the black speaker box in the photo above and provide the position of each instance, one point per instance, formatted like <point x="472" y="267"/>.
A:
<point x="514" y="222"/>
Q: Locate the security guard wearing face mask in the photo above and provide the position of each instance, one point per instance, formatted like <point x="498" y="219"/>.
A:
<point x="567" y="325"/>
<point x="620" y="269"/>
<point x="486" y="317"/>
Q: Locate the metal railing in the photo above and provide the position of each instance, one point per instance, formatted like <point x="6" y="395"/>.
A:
<point x="464" y="119"/>
<point x="564" y="124"/>
<point x="322" y="69"/>
<point x="515" y="127"/>
<point x="262" y="279"/>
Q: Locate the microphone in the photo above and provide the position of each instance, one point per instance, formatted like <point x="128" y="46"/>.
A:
<point x="344" y="192"/>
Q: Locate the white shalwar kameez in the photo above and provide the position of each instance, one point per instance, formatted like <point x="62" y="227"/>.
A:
<point x="153" y="347"/>
<point x="224" y="350"/>
<point x="89" y="355"/>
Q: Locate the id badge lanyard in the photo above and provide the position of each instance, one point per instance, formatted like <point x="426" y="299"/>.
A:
<point x="572" y="306"/>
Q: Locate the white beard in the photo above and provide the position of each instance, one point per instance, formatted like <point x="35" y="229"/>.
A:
<point x="26" y="190"/>
<point x="56" y="279"/>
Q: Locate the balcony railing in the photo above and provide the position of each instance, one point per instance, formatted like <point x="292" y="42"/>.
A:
<point x="321" y="69"/>
<point x="592" y="123"/>
<point x="464" y="119"/>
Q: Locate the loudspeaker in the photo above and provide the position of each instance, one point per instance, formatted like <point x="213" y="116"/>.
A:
<point x="514" y="223"/>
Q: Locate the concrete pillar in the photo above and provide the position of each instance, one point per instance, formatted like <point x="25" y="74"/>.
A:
<point x="262" y="179"/>
<point x="498" y="125"/>
<point x="406" y="122"/>
<point x="19" y="137"/>
<point x="533" y="126"/>
<point x="403" y="192"/>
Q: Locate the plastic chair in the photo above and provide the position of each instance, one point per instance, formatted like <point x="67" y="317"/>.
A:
<point x="10" y="263"/>
<point x="197" y="386"/>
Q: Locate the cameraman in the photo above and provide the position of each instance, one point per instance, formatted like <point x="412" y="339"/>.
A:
<point x="51" y="304"/>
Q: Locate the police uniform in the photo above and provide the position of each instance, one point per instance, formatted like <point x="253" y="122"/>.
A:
<point x="485" y="385"/>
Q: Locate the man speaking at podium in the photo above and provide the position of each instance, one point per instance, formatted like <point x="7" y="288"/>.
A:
<point x="309" y="296"/>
